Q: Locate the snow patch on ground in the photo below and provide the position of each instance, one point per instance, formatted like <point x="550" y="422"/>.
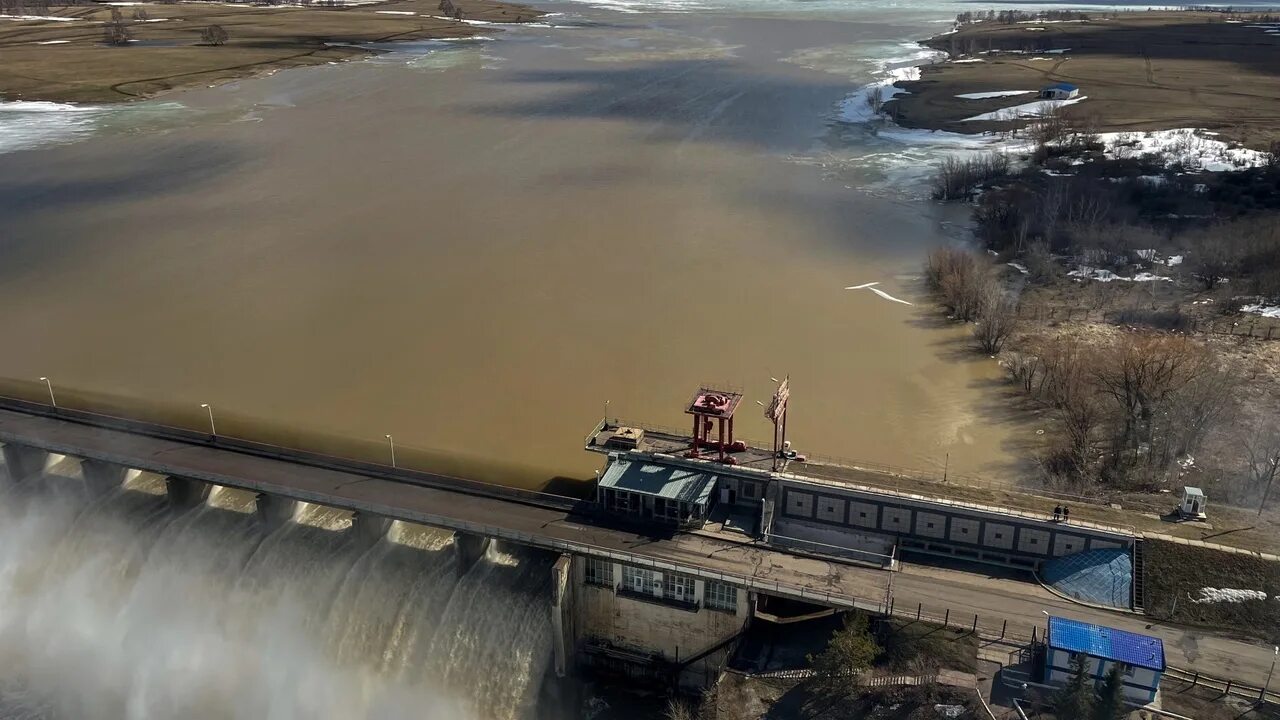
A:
<point x="1228" y="595"/>
<point x="992" y="94"/>
<point x="1085" y="272"/>
<point x="51" y="42"/>
<point x="1270" y="311"/>
<point x="1039" y="108"/>
<point x="53" y="18"/>
<point x="1018" y="266"/>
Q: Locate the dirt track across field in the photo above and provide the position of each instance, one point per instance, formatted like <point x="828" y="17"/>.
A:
<point x="67" y="60"/>
<point x="1137" y="71"/>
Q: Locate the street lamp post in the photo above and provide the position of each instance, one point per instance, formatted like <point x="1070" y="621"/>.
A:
<point x="52" y="400"/>
<point x="213" y="429"/>
<point x="392" y="443"/>
<point x="1262" y="696"/>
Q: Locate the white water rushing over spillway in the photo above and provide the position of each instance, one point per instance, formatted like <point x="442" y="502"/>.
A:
<point x="123" y="608"/>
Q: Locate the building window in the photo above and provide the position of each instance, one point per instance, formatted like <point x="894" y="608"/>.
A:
<point x="599" y="572"/>
<point x="748" y="490"/>
<point x="1127" y="670"/>
<point x="929" y="525"/>
<point x="639" y="580"/>
<point x="721" y="596"/>
<point x="964" y="531"/>
<point x="1035" y="541"/>
<point x="999" y="536"/>
<point x="678" y="587"/>
<point x="862" y="514"/>
<point x="896" y="519"/>
<point x="1069" y="546"/>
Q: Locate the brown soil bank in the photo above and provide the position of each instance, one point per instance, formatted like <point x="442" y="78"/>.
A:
<point x="1139" y="71"/>
<point x="68" y="61"/>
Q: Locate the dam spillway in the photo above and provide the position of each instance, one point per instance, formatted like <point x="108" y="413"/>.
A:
<point x="119" y="605"/>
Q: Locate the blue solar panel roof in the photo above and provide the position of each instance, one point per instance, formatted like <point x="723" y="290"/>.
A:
<point x="1107" y="643"/>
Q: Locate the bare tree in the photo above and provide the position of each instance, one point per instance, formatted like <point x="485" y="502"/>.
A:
<point x="1214" y="256"/>
<point x="997" y="320"/>
<point x="115" y="32"/>
<point x="1140" y="375"/>
<point x="1262" y="459"/>
<point x="214" y="35"/>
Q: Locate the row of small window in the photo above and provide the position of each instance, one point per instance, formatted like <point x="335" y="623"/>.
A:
<point x="668" y="586"/>
<point x="928" y="525"/>
<point x="1125" y="669"/>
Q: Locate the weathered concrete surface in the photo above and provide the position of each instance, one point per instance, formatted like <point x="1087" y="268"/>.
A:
<point x="273" y="511"/>
<point x="994" y="599"/>
<point x="186" y="492"/>
<point x="23" y="461"/>
<point x="368" y="528"/>
<point x="469" y="548"/>
<point x="563" y="615"/>
<point x="101" y="478"/>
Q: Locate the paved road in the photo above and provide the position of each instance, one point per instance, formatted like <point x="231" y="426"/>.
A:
<point x="993" y="598"/>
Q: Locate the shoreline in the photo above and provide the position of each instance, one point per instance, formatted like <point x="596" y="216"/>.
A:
<point x="1135" y="71"/>
<point x="67" y="60"/>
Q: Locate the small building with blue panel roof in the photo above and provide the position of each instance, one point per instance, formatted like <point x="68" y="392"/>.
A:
<point x="1059" y="91"/>
<point x="1141" y="657"/>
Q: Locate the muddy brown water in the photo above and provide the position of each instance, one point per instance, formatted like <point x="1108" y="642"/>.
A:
<point x="473" y="247"/>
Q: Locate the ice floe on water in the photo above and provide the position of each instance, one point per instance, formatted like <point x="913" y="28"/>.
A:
<point x="27" y="124"/>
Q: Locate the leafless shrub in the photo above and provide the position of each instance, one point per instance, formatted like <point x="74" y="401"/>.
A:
<point x="213" y="35"/>
<point x="997" y="320"/>
<point x="962" y="280"/>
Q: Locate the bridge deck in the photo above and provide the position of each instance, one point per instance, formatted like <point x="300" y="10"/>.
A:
<point x="527" y="522"/>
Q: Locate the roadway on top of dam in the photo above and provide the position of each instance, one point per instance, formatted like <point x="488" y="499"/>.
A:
<point x="551" y="522"/>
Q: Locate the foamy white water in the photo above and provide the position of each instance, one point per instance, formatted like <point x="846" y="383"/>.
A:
<point x="122" y="609"/>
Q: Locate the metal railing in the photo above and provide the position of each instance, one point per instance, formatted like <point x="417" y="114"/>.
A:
<point x="299" y="456"/>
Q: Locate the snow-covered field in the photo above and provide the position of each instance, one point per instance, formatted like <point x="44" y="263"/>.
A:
<point x="1037" y="109"/>
<point x="1192" y="147"/>
<point x="992" y="94"/>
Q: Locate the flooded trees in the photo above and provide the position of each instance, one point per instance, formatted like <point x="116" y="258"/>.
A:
<point x="997" y="320"/>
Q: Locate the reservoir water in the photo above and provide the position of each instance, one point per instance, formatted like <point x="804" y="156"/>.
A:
<point x="474" y="245"/>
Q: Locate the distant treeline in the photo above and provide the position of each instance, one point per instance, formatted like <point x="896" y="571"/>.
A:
<point x="1014" y="16"/>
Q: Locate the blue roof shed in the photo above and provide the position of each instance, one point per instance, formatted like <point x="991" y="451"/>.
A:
<point x="1064" y="86"/>
<point x="1107" y="643"/>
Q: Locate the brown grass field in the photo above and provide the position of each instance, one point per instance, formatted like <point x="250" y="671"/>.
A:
<point x="169" y="53"/>
<point x="1139" y="71"/>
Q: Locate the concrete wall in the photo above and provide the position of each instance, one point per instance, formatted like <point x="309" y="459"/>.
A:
<point x="934" y="527"/>
<point x="829" y="539"/>
<point x="1140" y="684"/>
<point x="611" y="616"/>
